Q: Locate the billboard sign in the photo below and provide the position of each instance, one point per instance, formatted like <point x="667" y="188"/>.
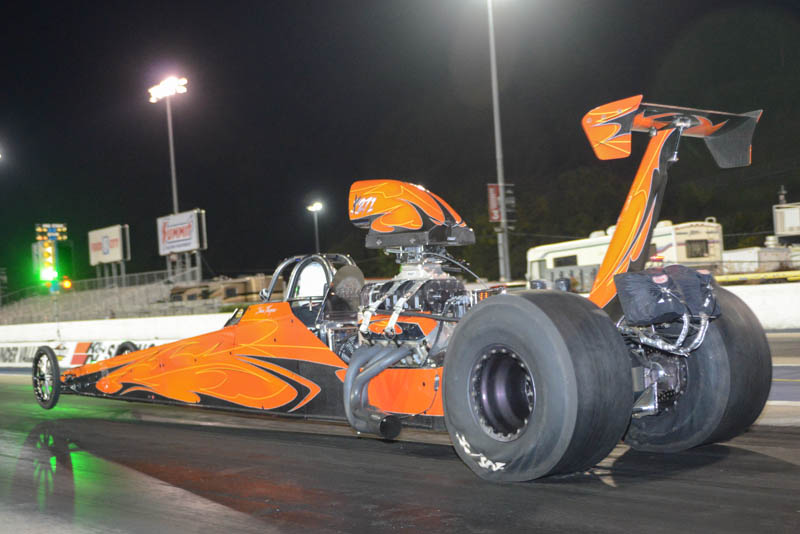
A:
<point x="495" y="214"/>
<point x="494" y="203"/>
<point x="109" y="245"/>
<point x="182" y="232"/>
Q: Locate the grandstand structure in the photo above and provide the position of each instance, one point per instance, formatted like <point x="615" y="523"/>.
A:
<point x="150" y="294"/>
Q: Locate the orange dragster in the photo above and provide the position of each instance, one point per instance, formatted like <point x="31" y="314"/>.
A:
<point x="527" y="384"/>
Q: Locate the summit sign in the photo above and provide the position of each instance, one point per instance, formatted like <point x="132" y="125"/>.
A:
<point x="181" y="232"/>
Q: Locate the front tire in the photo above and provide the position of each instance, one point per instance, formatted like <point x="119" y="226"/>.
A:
<point x="46" y="377"/>
<point x="537" y="383"/>
<point x="125" y="347"/>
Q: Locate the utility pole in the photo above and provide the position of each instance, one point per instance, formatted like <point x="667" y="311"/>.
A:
<point x="502" y="235"/>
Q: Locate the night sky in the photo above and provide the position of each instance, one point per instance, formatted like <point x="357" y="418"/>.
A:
<point x="292" y="101"/>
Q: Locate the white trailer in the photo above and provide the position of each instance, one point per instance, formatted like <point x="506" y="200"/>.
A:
<point x="697" y="244"/>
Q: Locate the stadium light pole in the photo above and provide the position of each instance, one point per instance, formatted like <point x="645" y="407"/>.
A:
<point x="165" y="90"/>
<point x="315" y="208"/>
<point x="502" y="235"/>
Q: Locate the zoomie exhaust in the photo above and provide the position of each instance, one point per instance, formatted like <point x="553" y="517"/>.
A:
<point x="366" y="364"/>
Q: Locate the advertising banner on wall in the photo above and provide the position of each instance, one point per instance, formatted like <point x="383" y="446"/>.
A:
<point x="182" y="232"/>
<point x="109" y="245"/>
<point x="69" y="353"/>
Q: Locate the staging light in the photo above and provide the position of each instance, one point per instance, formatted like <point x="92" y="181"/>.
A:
<point x="168" y="87"/>
<point x="48" y="274"/>
<point x="316" y="206"/>
<point x="44" y="259"/>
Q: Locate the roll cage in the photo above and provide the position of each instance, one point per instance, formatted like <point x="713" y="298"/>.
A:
<point x="298" y="264"/>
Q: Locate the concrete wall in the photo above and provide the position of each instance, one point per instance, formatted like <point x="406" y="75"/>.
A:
<point x="777" y="306"/>
<point x="78" y="342"/>
<point x="163" y="328"/>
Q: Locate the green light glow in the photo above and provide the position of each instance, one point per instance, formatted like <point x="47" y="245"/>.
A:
<point x="48" y="274"/>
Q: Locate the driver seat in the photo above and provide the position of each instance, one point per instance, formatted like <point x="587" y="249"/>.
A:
<point x="344" y="296"/>
<point x="308" y="291"/>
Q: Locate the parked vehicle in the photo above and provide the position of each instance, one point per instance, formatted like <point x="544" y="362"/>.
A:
<point x="697" y="244"/>
<point x="527" y="384"/>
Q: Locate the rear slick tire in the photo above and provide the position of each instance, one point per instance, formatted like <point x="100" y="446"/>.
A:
<point x="750" y="362"/>
<point x="536" y="383"/>
<point x="727" y="385"/>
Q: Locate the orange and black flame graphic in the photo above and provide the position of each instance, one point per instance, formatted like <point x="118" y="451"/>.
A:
<point x="268" y="361"/>
<point x="608" y="128"/>
<point x="390" y="205"/>
<point x="628" y="245"/>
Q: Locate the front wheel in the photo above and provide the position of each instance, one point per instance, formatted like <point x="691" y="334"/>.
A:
<point x="535" y="384"/>
<point x="125" y="347"/>
<point x="46" y="377"/>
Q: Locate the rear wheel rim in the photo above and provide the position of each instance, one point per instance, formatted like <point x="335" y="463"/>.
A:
<point x="502" y="393"/>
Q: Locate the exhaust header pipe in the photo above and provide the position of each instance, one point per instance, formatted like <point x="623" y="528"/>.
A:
<point x="366" y="364"/>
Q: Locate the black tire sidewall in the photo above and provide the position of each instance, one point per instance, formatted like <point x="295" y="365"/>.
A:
<point x="699" y="409"/>
<point x="734" y="367"/>
<point x="750" y="362"/>
<point x="125" y="347"/>
<point x="529" y="332"/>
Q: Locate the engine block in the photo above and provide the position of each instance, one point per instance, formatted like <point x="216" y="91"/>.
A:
<point x="437" y="296"/>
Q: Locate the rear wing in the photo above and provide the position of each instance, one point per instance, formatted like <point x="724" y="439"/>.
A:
<point x="728" y="136"/>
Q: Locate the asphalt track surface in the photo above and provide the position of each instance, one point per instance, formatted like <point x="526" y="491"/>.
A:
<point x="94" y="465"/>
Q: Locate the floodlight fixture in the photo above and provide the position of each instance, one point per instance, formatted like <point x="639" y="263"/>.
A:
<point x="168" y="87"/>
<point x="315" y="208"/>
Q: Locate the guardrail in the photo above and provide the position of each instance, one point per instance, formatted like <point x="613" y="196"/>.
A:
<point x="787" y="276"/>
